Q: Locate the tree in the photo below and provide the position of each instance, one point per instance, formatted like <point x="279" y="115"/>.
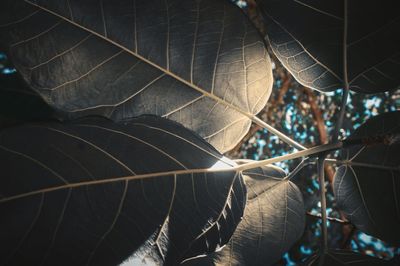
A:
<point x="112" y="141"/>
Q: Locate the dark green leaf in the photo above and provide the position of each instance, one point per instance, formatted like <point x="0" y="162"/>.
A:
<point x="200" y="63"/>
<point x="345" y="257"/>
<point x="93" y="192"/>
<point x="367" y="186"/>
<point x="274" y="219"/>
<point x="321" y="41"/>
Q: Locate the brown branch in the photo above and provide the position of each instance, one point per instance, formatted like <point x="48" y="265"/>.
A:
<point x="312" y="100"/>
<point x="287" y="81"/>
<point x="255" y="16"/>
<point x="320" y="123"/>
<point x="349" y="232"/>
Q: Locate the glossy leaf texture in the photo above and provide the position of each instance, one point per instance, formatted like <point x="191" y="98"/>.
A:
<point x="345" y="257"/>
<point x="94" y="192"/>
<point x="200" y="63"/>
<point x="367" y="186"/>
<point x="19" y="104"/>
<point x="273" y="221"/>
<point x="322" y="42"/>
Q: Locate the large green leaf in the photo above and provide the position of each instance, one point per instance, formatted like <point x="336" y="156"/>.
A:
<point x="93" y="192"/>
<point x="345" y="257"/>
<point x="321" y="42"/>
<point x="273" y="221"/>
<point x="200" y="63"/>
<point x="367" y="186"/>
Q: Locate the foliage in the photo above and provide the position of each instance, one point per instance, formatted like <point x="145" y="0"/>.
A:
<point x="146" y="190"/>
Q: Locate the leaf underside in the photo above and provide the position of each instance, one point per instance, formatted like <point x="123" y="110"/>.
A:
<point x="85" y="193"/>
<point x="273" y="220"/>
<point x="367" y="188"/>
<point x="200" y="63"/>
<point x="311" y="39"/>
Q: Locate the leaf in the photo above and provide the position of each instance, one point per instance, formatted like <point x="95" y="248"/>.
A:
<point x="94" y="192"/>
<point x="19" y="104"/>
<point x="274" y="219"/>
<point x="345" y="257"/>
<point x="200" y="63"/>
<point x="367" y="186"/>
<point x="320" y="42"/>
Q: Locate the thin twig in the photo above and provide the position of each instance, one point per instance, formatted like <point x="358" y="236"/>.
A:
<point x="331" y="219"/>
<point x="279" y="134"/>
<point x="324" y="228"/>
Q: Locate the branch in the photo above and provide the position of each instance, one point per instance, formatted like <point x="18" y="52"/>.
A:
<point x="255" y="16"/>
<point x="316" y="111"/>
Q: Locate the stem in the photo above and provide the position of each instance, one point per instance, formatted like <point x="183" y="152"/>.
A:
<point x="279" y="134"/>
<point x="312" y="151"/>
<point x="345" y="78"/>
<point x="324" y="228"/>
<point x="342" y="112"/>
<point x="375" y="166"/>
<point x="331" y="219"/>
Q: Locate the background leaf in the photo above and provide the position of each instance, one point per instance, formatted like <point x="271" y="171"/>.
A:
<point x="195" y="62"/>
<point x="345" y="257"/>
<point x="274" y="219"/>
<point x="367" y="187"/>
<point x="19" y="104"/>
<point x="310" y="41"/>
<point x="93" y="192"/>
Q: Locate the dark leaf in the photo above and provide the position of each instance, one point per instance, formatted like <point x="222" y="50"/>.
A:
<point x="321" y="41"/>
<point x="93" y="192"/>
<point x="19" y="104"/>
<point x="274" y="219"/>
<point x="367" y="186"/>
<point x="345" y="257"/>
<point x="200" y="63"/>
